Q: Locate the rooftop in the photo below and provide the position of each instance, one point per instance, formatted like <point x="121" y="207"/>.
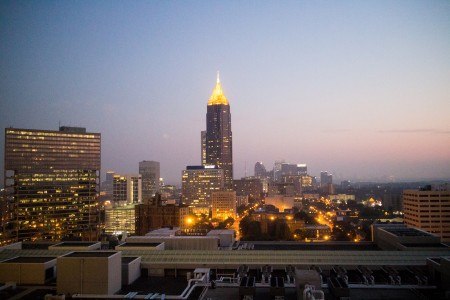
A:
<point x="29" y="259"/>
<point x="128" y="259"/>
<point x="75" y="244"/>
<point x="398" y="231"/>
<point x="91" y="254"/>
<point x="315" y="246"/>
<point x="425" y="245"/>
<point x="139" y="244"/>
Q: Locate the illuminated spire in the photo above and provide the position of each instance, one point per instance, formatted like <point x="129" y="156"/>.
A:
<point x="217" y="96"/>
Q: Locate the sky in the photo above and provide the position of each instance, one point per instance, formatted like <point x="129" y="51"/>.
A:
<point x="357" y="88"/>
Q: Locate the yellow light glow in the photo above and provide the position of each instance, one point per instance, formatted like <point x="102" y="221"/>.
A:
<point x="272" y="218"/>
<point x="217" y="96"/>
<point x="189" y="220"/>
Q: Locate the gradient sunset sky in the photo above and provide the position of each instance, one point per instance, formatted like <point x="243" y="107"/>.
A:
<point x="358" y="88"/>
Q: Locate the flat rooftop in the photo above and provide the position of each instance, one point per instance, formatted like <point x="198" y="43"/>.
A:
<point x="426" y="245"/>
<point x="139" y="244"/>
<point x="75" y="244"/>
<point x="91" y="254"/>
<point x="29" y="260"/>
<point x="406" y="231"/>
<point x="315" y="246"/>
<point x="37" y="245"/>
<point x="128" y="259"/>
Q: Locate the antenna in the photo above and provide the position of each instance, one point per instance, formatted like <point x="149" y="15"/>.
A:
<point x="245" y="168"/>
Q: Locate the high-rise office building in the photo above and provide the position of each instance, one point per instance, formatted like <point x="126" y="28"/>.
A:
<point x="198" y="182"/>
<point x="107" y="185"/>
<point x="150" y="171"/>
<point x="223" y="205"/>
<point x="219" y="146"/>
<point x="325" y="178"/>
<point x="52" y="181"/>
<point x="428" y="209"/>
<point x="277" y="170"/>
<point x="127" y="189"/>
<point x="260" y="170"/>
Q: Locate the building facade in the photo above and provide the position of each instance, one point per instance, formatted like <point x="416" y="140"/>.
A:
<point x="52" y="181"/>
<point x="252" y="187"/>
<point x="127" y="189"/>
<point x="428" y="209"/>
<point x="150" y="172"/>
<point x="219" y="146"/>
<point x="198" y="182"/>
<point x="223" y="205"/>
<point x="120" y="219"/>
<point x="152" y="215"/>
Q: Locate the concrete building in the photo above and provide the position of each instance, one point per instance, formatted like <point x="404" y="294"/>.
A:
<point x="252" y="187"/>
<point x="92" y="272"/>
<point x="76" y="246"/>
<point x="150" y="172"/>
<point x="28" y="270"/>
<point x="428" y="209"/>
<point x="131" y="269"/>
<point x="52" y="183"/>
<point x="400" y="237"/>
<point x="241" y="200"/>
<point x="223" y="205"/>
<point x="263" y="269"/>
<point x="151" y="216"/>
<point x="120" y="219"/>
<point x="198" y="182"/>
<point x="127" y="189"/>
<point x="219" y="138"/>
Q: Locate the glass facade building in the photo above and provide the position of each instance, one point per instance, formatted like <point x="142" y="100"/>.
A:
<point x="52" y="183"/>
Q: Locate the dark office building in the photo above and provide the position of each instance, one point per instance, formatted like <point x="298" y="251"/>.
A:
<point x="219" y="150"/>
<point x="152" y="215"/>
<point x="251" y="187"/>
<point x="52" y="183"/>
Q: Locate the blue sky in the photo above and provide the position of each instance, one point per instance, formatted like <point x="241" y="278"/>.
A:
<point x="359" y="88"/>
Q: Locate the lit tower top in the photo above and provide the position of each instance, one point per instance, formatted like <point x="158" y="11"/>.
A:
<point x="217" y="96"/>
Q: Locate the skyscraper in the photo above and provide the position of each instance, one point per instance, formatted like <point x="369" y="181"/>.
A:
<point x="260" y="170"/>
<point x="198" y="182"/>
<point x="52" y="182"/>
<point x="219" y="149"/>
<point x="150" y="178"/>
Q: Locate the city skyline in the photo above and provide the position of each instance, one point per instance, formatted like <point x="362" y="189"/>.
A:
<point x="357" y="89"/>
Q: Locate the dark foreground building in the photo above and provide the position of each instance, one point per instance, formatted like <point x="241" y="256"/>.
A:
<point x="52" y="183"/>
